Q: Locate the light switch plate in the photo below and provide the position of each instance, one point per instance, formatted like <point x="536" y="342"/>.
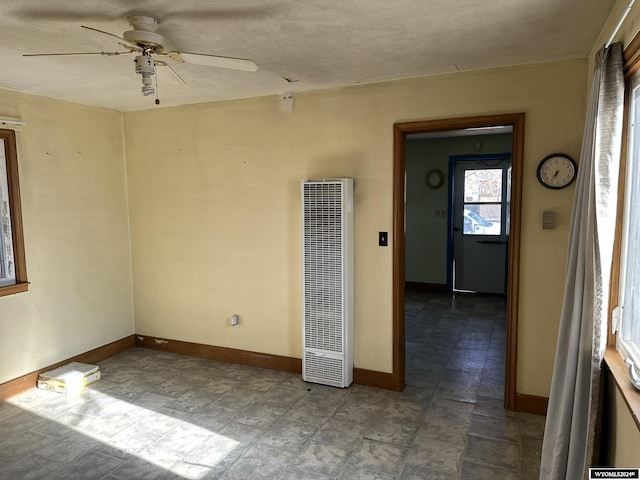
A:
<point x="383" y="239"/>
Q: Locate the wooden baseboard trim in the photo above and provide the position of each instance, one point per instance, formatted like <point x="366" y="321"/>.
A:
<point x="361" y="376"/>
<point x="372" y="378"/>
<point x="222" y="354"/>
<point x="25" y="382"/>
<point x="425" y="287"/>
<point x="531" y="404"/>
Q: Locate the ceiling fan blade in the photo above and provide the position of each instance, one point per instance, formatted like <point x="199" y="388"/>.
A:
<point x="213" y="60"/>
<point x="69" y="54"/>
<point x="125" y="44"/>
<point x="177" y="79"/>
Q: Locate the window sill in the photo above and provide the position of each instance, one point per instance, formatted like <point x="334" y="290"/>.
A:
<point x="11" y="289"/>
<point x="620" y="373"/>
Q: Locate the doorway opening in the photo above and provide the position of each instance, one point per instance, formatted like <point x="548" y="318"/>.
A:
<point x="513" y="195"/>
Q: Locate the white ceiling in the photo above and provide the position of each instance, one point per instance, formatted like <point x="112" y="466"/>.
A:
<point x="317" y="43"/>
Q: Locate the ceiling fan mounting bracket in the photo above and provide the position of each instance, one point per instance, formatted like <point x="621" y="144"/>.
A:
<point x="142" y="22"/>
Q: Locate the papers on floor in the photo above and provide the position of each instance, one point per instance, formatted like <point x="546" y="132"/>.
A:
<point x="69" y="378"/>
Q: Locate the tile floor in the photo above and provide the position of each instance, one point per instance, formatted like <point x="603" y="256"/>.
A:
<point x="163" y="416"/>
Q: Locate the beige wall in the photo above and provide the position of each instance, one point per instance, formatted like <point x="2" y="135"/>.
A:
<point x="621" y="437"/>
<point x="214" y="205"/>
<point x="74" y="205"/>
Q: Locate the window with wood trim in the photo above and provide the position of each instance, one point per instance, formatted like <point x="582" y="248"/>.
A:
<point x="627" y="313"/>
<point x="13" y="271"/>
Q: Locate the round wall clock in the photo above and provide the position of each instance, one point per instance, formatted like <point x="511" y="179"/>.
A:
<point x="435" y="178"/>
<point x="557" y="171"/>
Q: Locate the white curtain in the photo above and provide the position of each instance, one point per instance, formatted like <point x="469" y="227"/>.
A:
<point x="568" y="445"/>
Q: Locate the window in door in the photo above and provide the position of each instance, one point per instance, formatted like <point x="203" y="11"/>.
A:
<point x="482" y="198"/>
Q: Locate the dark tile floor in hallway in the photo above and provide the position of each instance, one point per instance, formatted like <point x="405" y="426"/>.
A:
<point x="155" y="415"/>
<point x="456" y="344"/>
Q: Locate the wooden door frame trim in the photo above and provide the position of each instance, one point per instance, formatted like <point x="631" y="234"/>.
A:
<point x="400" y="132"/>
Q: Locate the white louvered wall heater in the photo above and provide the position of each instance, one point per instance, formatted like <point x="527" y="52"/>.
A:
<point x="327" y="268"/>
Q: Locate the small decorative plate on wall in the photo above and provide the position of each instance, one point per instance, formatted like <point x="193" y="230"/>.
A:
<point x="435" y="178"/>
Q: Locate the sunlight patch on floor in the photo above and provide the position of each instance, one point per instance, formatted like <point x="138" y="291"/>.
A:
<point x="156" y="438"/>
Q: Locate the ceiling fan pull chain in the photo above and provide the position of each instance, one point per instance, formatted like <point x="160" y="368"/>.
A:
<point x="157" y="99"/>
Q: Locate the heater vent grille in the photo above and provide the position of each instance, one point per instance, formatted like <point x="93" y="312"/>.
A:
<point x="323" y="369"/>
<point x="327" y="241"/>
<point x="323" y="266"/>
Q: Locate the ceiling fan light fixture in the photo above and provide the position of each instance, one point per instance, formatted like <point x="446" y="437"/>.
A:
<point x="146" y="67"/>
<point x="147" y="86"/>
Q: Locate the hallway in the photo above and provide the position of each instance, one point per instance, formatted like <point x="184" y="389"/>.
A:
<point x="455" y="346"/>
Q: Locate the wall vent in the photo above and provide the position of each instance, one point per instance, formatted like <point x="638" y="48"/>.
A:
<point x="327" y="251"/>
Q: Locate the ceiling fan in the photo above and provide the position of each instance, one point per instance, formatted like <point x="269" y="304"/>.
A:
<point x="147" y="45"/>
